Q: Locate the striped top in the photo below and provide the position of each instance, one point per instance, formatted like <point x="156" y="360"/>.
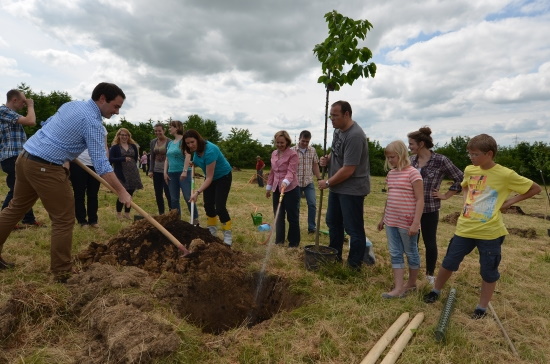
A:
<point x="401" y="203"/>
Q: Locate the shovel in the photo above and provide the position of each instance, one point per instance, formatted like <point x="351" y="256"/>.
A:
<point x="155" y="223"/>
<point x="192" y="189"/>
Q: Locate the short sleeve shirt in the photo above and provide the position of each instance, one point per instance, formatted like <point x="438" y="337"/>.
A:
<point x="350" y="148"/>
<point x="401" y="204"/>
<point x="486" y="191"/>
<point x="213" y="154"/>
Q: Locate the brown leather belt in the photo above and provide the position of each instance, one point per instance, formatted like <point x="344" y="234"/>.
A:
<point x="34" y="158"/>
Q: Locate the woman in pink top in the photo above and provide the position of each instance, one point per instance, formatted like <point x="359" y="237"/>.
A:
<point x="284" y="163"/>
<point x="401" y="216"/>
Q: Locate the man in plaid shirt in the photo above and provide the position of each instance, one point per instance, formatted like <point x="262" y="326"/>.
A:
<point x="308" y="165"/>
<point x="12" y="138"/>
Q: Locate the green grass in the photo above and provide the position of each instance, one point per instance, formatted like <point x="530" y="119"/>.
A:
<point x="342" y="315"/>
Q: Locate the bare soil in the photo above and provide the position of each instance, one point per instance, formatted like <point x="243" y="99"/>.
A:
<point x="114" y="301"/>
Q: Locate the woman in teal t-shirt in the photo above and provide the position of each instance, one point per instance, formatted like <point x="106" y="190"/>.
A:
<point x="217" y="181"/>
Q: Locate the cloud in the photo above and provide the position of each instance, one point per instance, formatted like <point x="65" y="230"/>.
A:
<point x="8" y="67"/>
<point x="57" y="57"/>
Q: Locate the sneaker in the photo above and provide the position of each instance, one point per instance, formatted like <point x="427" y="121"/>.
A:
<point x="368" y="257"/>
<point x="227" y="237"/>
<point x="478" y="314"/>
<point x="431" y="280"/>
<point x="213" y="229"/>
<point x="5" y="265"/>
<point x="431" y="297"/>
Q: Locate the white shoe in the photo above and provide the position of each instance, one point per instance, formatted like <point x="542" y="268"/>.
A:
<point x="431" y="280"/>
<point x="213" y="229"/>
<point x="227" y="237"/>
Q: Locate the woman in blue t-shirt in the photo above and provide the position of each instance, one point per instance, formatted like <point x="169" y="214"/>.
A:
<point x="176" y="170"/>
<point x="217" y="181"/>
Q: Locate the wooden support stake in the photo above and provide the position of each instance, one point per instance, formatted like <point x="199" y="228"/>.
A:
<point x="388" y="336"/>
<point x="503" y="331"/>
<point x="403" y="339"/>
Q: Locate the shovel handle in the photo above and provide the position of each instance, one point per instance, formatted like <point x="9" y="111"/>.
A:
<point x="149" y="218"/>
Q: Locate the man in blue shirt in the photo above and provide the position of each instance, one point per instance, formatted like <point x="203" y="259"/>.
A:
<point x="42" y="170"/>
<point x="12" y="138"/>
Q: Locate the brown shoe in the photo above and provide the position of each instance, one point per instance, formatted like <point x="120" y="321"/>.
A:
<point x="5" y="265"/>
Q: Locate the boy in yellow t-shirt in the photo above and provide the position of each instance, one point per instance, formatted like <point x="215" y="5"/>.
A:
<point x="487" y="186"/>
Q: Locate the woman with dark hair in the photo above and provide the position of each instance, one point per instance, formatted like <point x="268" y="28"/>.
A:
<point x="284" y="164"/>
<point x="156" y="167"/>
<point x="217" y="183"/>
<point x="433" y="167"/>
<point x="124" y="156"/>
<point x="177" y="171"/>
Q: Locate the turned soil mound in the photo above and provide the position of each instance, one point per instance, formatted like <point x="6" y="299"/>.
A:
<point x="213" y="289"/>
<point x="117" y="308"/>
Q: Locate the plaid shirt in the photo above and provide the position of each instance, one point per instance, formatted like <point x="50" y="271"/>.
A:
<point x="305" y="165"/>
<point x="12" y="134"/>
<point x="432" y="174"/>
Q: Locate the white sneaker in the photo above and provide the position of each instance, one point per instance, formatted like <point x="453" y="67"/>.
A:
<point x="213" y="229"/>
<point x="431" y="280"/>
<point x="227" y="237"/>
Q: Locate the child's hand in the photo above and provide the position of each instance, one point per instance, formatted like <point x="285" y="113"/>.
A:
<point x="380" y="225"/>
<point x="414" y="229"/>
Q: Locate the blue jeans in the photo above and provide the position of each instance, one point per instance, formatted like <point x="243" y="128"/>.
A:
<point x="489" y="255"/>
<point x="175" y="185"/>
<point x="345" y="214"/>
<point x="309" y="192"/>
<point x="290" y="206"/>
<point x="8" y="166"/>
<point x="399" y="243"/>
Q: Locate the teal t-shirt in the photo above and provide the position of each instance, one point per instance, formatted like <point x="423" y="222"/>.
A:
<point x="212" y="154"/>
<point x="174" y="156"/>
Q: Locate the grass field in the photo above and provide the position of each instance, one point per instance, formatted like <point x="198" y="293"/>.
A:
<point x="343" y="314"/>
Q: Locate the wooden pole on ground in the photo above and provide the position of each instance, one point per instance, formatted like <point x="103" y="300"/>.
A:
<point x="503" y="331"/>
<point x="403" y="339"/>
<point x="388" y="336"/>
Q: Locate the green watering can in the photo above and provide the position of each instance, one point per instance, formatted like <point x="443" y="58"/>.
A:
<point x="256" y="218"/>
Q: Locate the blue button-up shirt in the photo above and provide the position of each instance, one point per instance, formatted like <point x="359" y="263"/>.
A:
<point x="77" y="125"/>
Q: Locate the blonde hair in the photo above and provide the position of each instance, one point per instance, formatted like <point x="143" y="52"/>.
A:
<point x="399" y="148"/>
<point x="116" y="140"/>
<point x="284" y="134"/>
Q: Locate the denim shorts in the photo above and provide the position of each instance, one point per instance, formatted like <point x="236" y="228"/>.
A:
<point x="489" y="255"/>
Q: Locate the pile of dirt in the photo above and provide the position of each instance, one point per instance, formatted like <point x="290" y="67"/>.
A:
<point x="114" y="305"/>
<point x="451" y="218"/>
<point x="524" y="233"/>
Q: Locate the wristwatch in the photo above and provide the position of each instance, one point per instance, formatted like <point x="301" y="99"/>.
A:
<point x="327" y="184"/>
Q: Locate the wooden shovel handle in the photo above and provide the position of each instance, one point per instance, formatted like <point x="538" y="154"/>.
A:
<point x="149" y="218"/>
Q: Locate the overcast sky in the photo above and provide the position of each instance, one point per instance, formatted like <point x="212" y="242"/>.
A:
<point x="463" y="67"/>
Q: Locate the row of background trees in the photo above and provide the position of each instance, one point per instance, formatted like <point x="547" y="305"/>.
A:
<point x="239" y="147"/>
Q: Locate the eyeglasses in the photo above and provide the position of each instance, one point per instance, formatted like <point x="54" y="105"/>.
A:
<point x="475" y="155"/>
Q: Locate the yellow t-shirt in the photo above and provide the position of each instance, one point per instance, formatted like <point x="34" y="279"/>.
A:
<point x="486" y="191"/>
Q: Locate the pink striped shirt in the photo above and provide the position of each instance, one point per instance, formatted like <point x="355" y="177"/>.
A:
<point x="401" y="203"/>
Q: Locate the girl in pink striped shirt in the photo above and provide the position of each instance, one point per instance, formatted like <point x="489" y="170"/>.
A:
<point x="401" y="217"/>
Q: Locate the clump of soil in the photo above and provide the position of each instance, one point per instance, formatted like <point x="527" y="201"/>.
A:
<point x="524" y="233"/>
<point x="451" y="218"/>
